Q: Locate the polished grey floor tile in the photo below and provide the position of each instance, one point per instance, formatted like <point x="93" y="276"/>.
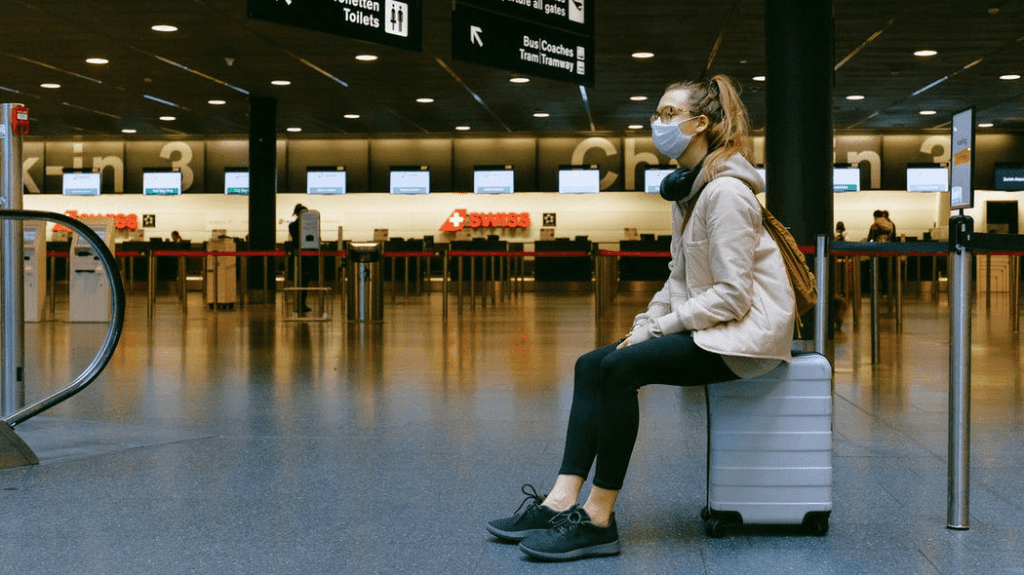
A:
<point x="235" y="443"/>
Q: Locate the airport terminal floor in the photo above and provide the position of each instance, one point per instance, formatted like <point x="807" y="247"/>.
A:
<point x="232" y="442"/>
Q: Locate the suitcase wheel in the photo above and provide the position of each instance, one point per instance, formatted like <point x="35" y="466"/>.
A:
<point x="716" y="528"/>
<point x="816" y="524"/>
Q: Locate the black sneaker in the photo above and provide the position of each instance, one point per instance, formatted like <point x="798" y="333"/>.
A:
<point x="573" y="537"/>
<point x="534" y="519"/>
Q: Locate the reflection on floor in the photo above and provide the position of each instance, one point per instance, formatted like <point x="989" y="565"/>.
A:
<point x="231" y="442"/>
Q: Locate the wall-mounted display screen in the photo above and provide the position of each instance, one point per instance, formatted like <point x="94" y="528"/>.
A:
<point x="410" y="180"/>
<point x="494" y="180"/>
<point x="653" y="175"/>
<point x="1009" y="177"/>
<point x="161" y="183"/>
<point x="236" y="181"/>
<point x="579" y="179"/>
<point x="81" y="183"/>
<point x="326" y="181"/>
<point x="927" y="178"/>
<point x="846" y="180"/>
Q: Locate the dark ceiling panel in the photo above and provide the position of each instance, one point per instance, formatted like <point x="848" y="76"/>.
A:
<point x="218" y="53"/>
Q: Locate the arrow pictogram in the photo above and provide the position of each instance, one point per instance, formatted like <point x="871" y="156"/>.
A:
<point x="474" y="35"/>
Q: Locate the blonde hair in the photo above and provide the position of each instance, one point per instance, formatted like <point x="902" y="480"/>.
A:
<point x="719" y="100"/>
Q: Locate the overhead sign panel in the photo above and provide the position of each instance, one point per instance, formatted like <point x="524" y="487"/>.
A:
<point x="521" y="45"/>
<point x="397" y="23"/>
<point x="571" y="15"/>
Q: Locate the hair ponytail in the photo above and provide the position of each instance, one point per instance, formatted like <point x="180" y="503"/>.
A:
<point x="719" y="100"/>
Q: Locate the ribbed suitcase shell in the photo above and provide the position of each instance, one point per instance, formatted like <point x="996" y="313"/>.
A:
<point x="770" y="444"/>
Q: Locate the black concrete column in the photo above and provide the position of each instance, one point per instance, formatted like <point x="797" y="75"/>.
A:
<point x="262" y="192"/>
<point x="798" y="126"/>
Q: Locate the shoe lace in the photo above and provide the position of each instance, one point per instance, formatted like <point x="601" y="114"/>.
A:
<point x="531" y="495"/>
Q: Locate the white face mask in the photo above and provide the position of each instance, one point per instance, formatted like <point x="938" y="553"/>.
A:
<point x="668" y="139"/>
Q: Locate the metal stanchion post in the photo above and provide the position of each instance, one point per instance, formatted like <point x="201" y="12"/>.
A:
<point x="1015" y="292"/>
<point x="459" y="279"/>
<point x="856" y="290"/>
<point x="266" y="291"/>
<point x="899" y="293"/>
<point x="472" y="283"/>
<point x="598" y="280"/>
<point x="405" y="277"/>
<point x="216" y="286"/>
<point x="960" y="228"/>
<point x="52" y="287"/>
<point x="150" y="284"/>
<point x="988" y="282"/>
<point x="444" y="286"/>
<point x="874" y="311"/>
<point x="821" y="310"/>
<point x="243" y="284"/>
<point x="183" y="284"/>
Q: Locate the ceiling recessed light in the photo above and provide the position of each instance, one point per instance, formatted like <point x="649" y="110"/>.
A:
<point x="366" y="57"/>
<point x="281" y="82"/>
<point x="1009" y="77"/>
<point x="294" y="129"/>
<point x="642" y="55"/>
<point x="760" y="78"/>
<point x="425" y="100"/>
<point x="216" y="102"/>
<point x="925" y="53"/>
<point x="351" y="116"/>
<point x="164" y="28"/>
<point x="986" y="125"/>
<point x="855" y="97"/>
<point x="541" y="115"/>
<point x="97" y="61"/>
<point x="927" y="112"/>
<point x="638" y="98"/>
<point x="128" y="131"/>
<point x="49" y="86"/>
<point x="167" y="118"/>
<point x="462" y="128"/>
<point x="519" y="80"/>
<point x="636" y="126"/>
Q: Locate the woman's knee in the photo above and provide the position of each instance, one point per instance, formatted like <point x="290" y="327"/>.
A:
<point x="618" y="372"/>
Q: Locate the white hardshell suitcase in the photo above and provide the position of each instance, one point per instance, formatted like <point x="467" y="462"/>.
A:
<point x="770" y="448"/>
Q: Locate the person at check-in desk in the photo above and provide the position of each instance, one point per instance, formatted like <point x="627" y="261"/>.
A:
<point x="308" y="263"/>
<point x="726" y="312"/>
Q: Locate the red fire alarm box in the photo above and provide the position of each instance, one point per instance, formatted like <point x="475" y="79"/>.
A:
<point x="19" y="120"/>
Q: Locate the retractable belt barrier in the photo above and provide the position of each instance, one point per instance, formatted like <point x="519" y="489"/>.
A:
<point x="114" y="326"/>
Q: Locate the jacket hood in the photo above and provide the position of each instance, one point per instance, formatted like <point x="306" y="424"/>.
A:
<point x="735" y="167"/>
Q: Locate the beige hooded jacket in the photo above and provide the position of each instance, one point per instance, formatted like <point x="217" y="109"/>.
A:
<point x="727" y="282"/>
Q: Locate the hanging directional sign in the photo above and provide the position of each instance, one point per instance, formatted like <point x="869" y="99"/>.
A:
<point x="523" y="45"/>
<point x="397" y="23"/>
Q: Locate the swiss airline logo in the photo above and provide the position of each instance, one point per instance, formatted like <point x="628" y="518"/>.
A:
<point x="461" y="219"/>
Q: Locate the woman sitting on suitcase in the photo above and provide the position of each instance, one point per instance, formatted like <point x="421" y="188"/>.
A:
<point x="726" y="312"/>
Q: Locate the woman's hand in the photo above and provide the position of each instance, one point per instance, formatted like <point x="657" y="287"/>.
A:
<point x="640" y="334"/>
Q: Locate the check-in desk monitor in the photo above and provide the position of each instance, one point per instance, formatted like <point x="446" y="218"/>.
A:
<point x="579" y="180"/>
<point x="89" y="289"/>
<point x="494" y="180"/>
<point x="34" y="250"/>
<point x="653" y="175"/>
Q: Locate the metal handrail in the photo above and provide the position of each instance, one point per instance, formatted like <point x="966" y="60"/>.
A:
<point x="117" y="308"/>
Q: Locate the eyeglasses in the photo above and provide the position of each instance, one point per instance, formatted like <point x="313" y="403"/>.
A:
<point x="668" y="113"/>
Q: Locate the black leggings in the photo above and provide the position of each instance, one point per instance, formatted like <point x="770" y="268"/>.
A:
<point x="605" y="411"/>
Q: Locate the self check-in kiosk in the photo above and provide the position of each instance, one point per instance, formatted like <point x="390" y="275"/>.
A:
<point x="221" y="284"/>
<point x="89" y="289"/>
<point x="309" y="230"/>
<point x="34" y="250"/>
